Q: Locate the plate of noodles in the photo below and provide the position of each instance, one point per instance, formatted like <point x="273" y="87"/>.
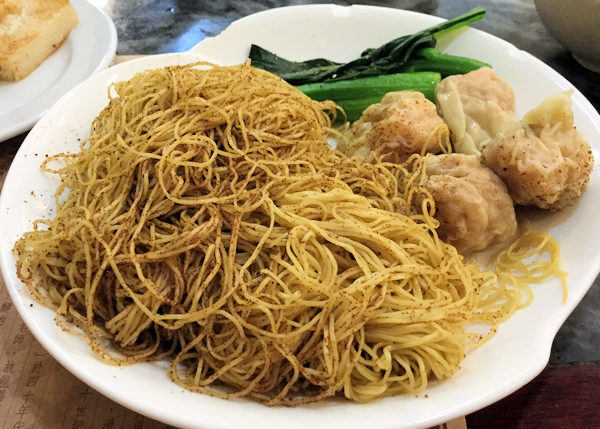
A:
<point x="241" y="266"/>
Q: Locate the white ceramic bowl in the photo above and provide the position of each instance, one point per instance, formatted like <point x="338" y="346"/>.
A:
<point x="576" y="25"/>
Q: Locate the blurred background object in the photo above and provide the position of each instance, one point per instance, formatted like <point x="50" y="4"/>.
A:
<point x="576" y="25"/>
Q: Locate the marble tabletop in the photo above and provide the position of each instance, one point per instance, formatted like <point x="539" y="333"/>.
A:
<point x="159" y="26"/>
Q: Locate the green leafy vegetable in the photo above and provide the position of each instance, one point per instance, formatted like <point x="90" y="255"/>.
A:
<point x="392" y="57"/>
<point x="355" y="108"/>
<point x="357" y="94"/>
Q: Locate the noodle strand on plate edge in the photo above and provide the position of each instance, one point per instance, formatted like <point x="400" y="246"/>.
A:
<point x="206" y="220"/>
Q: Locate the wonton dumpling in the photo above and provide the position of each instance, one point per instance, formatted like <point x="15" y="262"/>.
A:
<point x="546" y="162"/>
<point x="402" y="124"/>
<point x="476" y="106"/>
<point x="472" y="203"/>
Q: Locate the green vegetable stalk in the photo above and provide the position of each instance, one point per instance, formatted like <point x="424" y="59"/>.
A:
<point x="430" y="59"/>
<point x="357" y="94"/>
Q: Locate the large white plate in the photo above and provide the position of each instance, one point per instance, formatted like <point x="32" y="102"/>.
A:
<point x="512" y="358"/>
<point x="89" y="48"/>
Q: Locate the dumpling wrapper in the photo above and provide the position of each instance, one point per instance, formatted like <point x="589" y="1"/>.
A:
<point x="472" y="203"/>
<point x="402" y="124"/>
<point x="476" y="106"/>
<point x="545" y="162"/>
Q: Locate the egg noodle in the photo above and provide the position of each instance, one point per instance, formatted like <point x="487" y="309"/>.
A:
<point x="207" y="221"/>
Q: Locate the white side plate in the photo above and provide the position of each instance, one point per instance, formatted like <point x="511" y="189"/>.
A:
<point x="89" y="48"/>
